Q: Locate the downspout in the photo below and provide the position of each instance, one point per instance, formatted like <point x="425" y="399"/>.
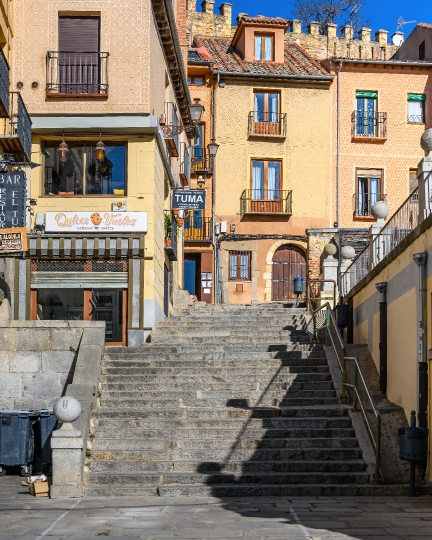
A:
<point x="215" y="248"/>
<point x="382" y="289"/>
<point x="422" y="387"/>
<point x="338" y="146"/>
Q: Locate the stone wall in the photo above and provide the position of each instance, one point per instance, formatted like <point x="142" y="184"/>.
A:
<point x="317" y="239"/>
<point x="38" y="359"/>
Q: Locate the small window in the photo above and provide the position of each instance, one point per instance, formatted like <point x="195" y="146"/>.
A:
<point x="264" y="45"/>
<point x="197" y="80"/>
<point x="82" y="174"/>
<point x="368" y="191"/>
<point x="239" y="265"/>
<point x="416" y="108"/>
<point x="413" y="181"/>
<point x="422" y="50"/>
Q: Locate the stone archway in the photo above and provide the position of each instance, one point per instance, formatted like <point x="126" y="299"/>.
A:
<point x="269" y="263"/>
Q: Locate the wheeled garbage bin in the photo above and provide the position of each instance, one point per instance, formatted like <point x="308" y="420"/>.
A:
<point x="413" y="443"/>
<point x="17" y="440"/>
<point x="47" y="423"/>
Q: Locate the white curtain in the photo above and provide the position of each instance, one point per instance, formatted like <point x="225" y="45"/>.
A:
<point x="258" y="48"/>
<point x="233" y="266"/>
<point x="244" y="270"/>
<point x="273" y="180"/>
<point x="373" y="191"/>
<point x="268" y="48"/>
<point x="415" y="111"/>
<point x="362" y="183"/>
<point x="257" y="180"/>
<point x="273" y="106"/>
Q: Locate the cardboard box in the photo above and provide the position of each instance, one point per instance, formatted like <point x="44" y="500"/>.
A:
<point x="39" y="488"/>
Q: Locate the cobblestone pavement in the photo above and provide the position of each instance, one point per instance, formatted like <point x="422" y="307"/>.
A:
<point x="269" y="518"/>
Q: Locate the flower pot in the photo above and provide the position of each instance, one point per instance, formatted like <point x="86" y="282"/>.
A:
<point x="168" y="242"/>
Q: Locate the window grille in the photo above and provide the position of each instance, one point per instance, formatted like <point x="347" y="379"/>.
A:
<point x="239" y="265"/>
<point x="97" y="265"/>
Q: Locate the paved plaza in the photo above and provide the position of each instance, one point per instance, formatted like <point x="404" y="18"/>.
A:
<point x="264" y="518"/>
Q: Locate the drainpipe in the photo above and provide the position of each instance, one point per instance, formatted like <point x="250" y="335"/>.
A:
<point x="338" y="146"/>
<point x="215" y="247"/>
<point x="422" y="388"/>
<point x="382" y="289"/>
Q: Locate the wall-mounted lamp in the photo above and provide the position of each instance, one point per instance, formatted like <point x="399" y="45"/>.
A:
<point x="63" y="151"/>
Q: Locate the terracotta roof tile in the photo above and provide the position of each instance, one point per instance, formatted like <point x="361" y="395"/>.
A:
<point x="225" y="58"/>
<point x="261" y="19"/>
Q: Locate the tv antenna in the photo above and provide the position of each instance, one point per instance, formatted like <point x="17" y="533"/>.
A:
<point x="402" y="23"/>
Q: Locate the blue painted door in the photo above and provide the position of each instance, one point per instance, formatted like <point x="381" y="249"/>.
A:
<point x="190" y="268"/>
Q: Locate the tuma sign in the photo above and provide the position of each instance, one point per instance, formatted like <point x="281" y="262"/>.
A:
<point x="189" y="199"/>
<point x="13" y="240"/>
<point x="96" y="222"/>
<point x="12" y="199"/>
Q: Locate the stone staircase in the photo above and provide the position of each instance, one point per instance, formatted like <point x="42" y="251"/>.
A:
<point x="224" y="401"/>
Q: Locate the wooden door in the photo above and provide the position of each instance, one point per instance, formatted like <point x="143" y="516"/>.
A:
<point x="288" y="263"/>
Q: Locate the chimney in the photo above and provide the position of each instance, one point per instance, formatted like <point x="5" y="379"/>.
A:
<point x="207" y="6"/>
<point x="381" y="37"/>
<point x="365" y="34"/>
<point x="296" y="26"/>
<point x="331" y="30"/>
<point x="225" y="10"/>
<point x="313" y="28"/>
<point x="191" y="5"/>
<point x="347" y="32"/>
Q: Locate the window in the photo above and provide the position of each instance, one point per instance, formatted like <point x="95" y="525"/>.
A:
<point x="266" y="176"/>
<point x="196" y="80"/>
<point x="416" y="108"/>
<point x="264" y="47"/>
<point x="366" y="113"/>
<point x="422" y="50"/>
<point x="239" y="265"/>
<point x="197" y="147"/>
<point x="413" y="183"/>
<point x="368" y="191"/>
<point x="266" y="106"/>
<point x="82" y="174"/>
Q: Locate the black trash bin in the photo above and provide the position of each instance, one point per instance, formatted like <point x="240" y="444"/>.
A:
<point x="413" y="443"/>
<point x="342" y="315"/>
<point x="47" y="424"/>
<point x="17" y="440"/>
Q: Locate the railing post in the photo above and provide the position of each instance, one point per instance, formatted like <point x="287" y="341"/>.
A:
<point x="328" y="341"/>
<point x="344" y="392"/>
<point x="378" y="449"/>
<point x="354" y="408"/>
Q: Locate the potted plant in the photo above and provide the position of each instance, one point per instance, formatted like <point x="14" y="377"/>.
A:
<point x="168" y="229"/>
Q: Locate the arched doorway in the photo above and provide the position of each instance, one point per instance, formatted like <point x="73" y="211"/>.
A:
<point x="288" y="262"/>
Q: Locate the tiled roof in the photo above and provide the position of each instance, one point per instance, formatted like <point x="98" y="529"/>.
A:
<point x="425" y="25"/>
<point x="261" y="19"/>
<point x="225" y="58"/>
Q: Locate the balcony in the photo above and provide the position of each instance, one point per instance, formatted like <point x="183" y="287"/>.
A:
<point x="185" y="164"/>
<point x="201" y="161"/>
<point x="16" y="136"/>
<point x="171" y="238"/>
<point x="171" y="120"/>
<point x="266" y="124"/>
<point x="266" y="201"/>
<point x="198" y="230"/>
<point x="366" y="126"/>
<point x="4" y="86"/>
<point x="77" y="74"/>
<point x="362" y="203"/>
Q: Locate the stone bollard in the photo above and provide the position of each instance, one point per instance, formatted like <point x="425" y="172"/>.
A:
<point x="67" y="451"/>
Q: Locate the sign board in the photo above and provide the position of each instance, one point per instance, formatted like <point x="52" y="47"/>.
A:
<point x="96" y="222"/>
<point x="13" y="240"/>
<point x="12" y="199"/>
<point x="189" y="199"/>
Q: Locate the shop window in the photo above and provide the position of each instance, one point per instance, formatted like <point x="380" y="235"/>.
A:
<point x="264" y="47"/>
<point x="82" y="174"/>
<point x="197" y="80"/>
<point x="239" y="265"/>
<point x="416" y="108"/>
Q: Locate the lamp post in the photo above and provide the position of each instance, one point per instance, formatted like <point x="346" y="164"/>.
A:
<point x="196" y="112"/>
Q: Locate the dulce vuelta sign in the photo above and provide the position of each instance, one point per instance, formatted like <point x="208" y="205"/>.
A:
<point x="96" y="222"/>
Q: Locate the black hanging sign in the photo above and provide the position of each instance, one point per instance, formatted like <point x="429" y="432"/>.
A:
<point x="189" y="199"/>
<point x="12" y="199"/>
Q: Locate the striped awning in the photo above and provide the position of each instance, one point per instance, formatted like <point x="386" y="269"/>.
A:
<point x="80" y="247"/>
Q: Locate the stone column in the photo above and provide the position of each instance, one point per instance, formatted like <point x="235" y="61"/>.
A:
<point x="347" y="255"/>
<point x="424" y="176"/>
<point x="330" y="271"/>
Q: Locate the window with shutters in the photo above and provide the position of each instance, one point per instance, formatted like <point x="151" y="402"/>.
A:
<point x="78" y="67"/>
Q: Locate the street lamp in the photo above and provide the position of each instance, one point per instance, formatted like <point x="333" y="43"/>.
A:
<point x="100" y="151"/>
<point x="196" y="111"/>
<point x="212" y="148"/>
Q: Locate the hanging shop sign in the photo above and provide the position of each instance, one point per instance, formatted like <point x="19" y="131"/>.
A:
<point x="12" y="199"/>
<point x="188" y="199"/>
<point x="13" y="240"/>
<point x="96" y="222"/>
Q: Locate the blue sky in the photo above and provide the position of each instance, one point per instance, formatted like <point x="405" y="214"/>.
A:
<point x="383" y="13"/>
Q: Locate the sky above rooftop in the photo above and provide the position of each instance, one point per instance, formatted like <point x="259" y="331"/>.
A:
<point x="384" y="14"/>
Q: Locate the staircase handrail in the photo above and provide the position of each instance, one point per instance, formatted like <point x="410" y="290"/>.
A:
<point x="311" y="298"/>
<point x="323" y="319"/>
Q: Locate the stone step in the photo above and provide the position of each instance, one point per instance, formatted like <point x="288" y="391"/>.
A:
<point x="229" y="339"/>
<point x="196" y="348"/>
<point x="246" y="333"/>
<point x="142" y="358"/>
<point x="167" y="479"/>
<point x="354" y="465"/>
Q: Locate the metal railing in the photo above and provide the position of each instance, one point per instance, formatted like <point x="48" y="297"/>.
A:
<point x="356" y="271"/>
<point x="372" y="124"/>
<point x="171" y="120"/>
<point x="323" y="320"/>
<point x="267" y="124"/>
<point x="416" y="119"/>
<point x="77" y="73"/>
<point x="266" y="201"/>
<point x="198" y="230"/>
<point x="4" y="85"/>
<point x="201" y="161"/>
<point x="363" y="202"/>
<point x="16" y="137"/>
<point x="185" y="164"/>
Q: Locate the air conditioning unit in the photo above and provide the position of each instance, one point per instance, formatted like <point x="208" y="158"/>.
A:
<point x="119" y="206"/>
<point x="162" y="119"/>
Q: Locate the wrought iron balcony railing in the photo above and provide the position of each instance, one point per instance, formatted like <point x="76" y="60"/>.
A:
<point x="16" y="136"/>
<point x="267" y="124"/>
<point x="4" y="85"/>
<point x="185" y="164"/>
<point x="266" y="201"/>
<point x="198" y="229"/>
<point x="171" y="128"/>
<point x="77" y="73"/>
<point x="363" y="202"/>
<point x="369" y="124"/>
<point x="201" y="161"/>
